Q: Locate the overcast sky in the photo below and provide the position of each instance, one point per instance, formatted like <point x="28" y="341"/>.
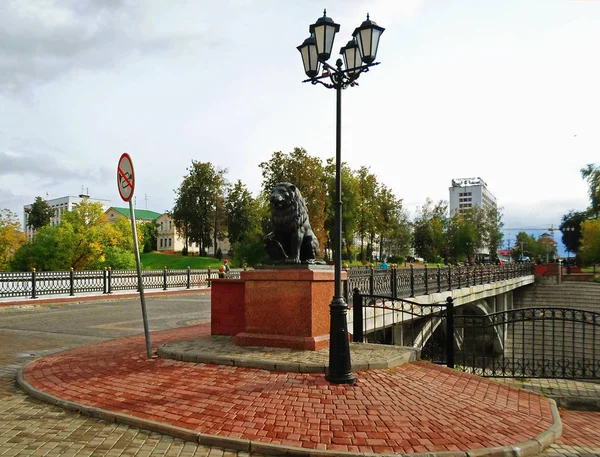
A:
<point x="506" y="90"/>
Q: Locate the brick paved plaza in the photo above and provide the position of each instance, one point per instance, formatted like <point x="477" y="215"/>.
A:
<point x="30" y="427"/>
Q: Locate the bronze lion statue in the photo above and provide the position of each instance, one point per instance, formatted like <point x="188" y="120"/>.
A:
<point x="292" y="239"/>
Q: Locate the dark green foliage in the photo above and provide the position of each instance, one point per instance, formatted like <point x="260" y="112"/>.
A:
<point x="39" y="214"/>
<point x="241" y="213"/>
<point x="196" y="213"/>
<point x="571" y="229"/>
<point x="150" y="234"/>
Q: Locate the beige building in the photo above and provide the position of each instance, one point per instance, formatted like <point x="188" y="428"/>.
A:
<point x="168" y="238"/>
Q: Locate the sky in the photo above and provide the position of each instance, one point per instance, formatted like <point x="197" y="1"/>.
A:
<point x="507" y="91"/>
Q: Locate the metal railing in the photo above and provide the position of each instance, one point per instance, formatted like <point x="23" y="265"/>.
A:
<point x="411" y="282"/>
<point x="35" y="283"/>
<point x="538" y="342"/>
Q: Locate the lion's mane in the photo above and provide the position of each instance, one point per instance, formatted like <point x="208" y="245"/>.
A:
<point x="293" y="214"/>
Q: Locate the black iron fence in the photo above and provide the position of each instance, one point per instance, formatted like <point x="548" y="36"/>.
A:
<point x="411" y="282"/>
<point x="106" y="281"/>
<point x="384" y="320"/>
<point x="525" y="343"/>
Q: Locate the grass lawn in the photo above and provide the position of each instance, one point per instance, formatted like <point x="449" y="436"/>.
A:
<point x="157" y="261"/>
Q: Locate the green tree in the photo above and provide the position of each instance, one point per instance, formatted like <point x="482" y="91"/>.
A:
<point x="391" y="224"/>
<point x="528" y="246"/>
<point x="570" y="228"/>
<point x="367" y="197"/>
<point x="493" y="229"/>
<point x="591" y="173"/>
<point x="349" y="206"/>
<point x="39" y="214"/>
<point x="590" y="241"/>
<point x="430" y="231"/>
<point x="463" y="235"/>
<point x="11" y="237"/>
<point x="85" y="239"/>
<point x="149" y="232"/>
<point x="307" y="174"/>
<point x="241" y="213"/>
<point x="196" y="210"/>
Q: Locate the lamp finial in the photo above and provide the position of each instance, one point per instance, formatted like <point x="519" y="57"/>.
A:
<point x="367" y="16"/>
<point x="324" y="12"/>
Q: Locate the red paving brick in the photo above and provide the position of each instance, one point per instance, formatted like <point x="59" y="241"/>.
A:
<point x="416" y="407"/>
<point x="580" y="428"/>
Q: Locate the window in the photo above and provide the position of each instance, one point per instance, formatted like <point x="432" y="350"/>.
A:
<point x="170" y="222"/>
<point x="169" y="242"/>
<point x="161" y="243"/>
<point x="161" y="226"/>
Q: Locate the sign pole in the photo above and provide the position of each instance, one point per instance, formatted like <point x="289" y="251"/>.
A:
<point x="126" y="185"/>
<point x="140" y="281"/>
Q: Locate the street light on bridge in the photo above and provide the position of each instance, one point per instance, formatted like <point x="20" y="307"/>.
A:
<point x="359" y="55"/>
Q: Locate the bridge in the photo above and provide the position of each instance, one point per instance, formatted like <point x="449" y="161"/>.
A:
<point x="484" y="289"/>
<point x="466" y="317"/>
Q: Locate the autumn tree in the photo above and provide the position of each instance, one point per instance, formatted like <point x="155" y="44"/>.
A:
<point x="307" y="174"/>
<point x="39" y="214"/>
<point x="196" y="212"/>
<point x="11" y="237"/>
<point x="590" y="241"/>
<point x="85" y="239"/>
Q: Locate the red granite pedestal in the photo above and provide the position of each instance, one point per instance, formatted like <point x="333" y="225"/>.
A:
<point x="287" y="307"/>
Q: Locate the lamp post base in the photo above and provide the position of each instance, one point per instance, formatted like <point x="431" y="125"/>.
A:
<point x="339" y="346"/>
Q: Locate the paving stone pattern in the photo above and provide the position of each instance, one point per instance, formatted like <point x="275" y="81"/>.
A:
<point x="30" y="427"/>
<point x="440" y="409"/>
<point x="222" y="350"/>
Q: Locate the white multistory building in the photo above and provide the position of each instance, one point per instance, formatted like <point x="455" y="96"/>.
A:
<point x="467" y="193"/>
<point x="60" y="206"/>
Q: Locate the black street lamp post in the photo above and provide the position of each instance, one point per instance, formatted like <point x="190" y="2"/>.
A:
<point x="359" y="55"/>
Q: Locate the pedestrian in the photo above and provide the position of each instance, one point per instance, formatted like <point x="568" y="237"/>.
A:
<point x="226" y="264"/>
<point x="384" y="265"/>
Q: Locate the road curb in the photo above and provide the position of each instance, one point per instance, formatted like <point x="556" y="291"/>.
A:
<point x="527" y="448"/>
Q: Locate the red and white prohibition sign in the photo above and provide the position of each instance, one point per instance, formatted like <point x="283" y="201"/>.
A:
<point x="125" y="177"/>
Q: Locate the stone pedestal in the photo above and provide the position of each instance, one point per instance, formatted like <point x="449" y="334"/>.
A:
<point x="227" y="307"/>
<point x="287" y="307"/>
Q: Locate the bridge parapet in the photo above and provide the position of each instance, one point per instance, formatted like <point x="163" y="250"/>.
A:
<point x="412" y="282"/>
<point x="376" y="318"/>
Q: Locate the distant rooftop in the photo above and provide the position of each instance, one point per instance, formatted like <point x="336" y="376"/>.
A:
<point x="461" y="182"/>
<point x="140" y="214"/>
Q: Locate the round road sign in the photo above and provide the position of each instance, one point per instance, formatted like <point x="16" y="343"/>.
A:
<point x="125" y="177"/>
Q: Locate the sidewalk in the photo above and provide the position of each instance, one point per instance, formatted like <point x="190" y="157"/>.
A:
<point x="415" y="407"/>
<point x="96" y="296"/>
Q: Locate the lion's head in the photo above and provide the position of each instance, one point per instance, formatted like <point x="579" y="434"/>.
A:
<point x="288" y="208"/>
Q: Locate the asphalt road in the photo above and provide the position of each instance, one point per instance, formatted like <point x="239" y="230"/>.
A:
<point x="110" y="319"/>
